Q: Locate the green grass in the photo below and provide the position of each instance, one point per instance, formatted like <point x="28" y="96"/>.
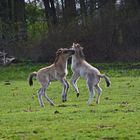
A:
<point x="115" y="118"/>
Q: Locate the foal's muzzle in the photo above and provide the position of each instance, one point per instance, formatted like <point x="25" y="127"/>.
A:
<point x="72" y="51"/>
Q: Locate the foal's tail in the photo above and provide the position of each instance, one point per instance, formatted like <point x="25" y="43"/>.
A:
<point x="30" y="80"/>
<point x="108" y="82"/>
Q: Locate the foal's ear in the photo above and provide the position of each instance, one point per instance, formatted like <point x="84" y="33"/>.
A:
<point x="59" y="51"/>
<point x="78" y="45"/>
<point x="73" y="44"/>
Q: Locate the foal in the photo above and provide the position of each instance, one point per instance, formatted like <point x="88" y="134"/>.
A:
<point x="92" y="75"/>
<point x="56" y="71"/>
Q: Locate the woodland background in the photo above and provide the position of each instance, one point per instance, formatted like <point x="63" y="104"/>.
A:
<point x="109" y="30"/>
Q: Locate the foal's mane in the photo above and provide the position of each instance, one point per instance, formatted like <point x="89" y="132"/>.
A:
<point x="59" y="51"/>
<point x="81" y="53"/>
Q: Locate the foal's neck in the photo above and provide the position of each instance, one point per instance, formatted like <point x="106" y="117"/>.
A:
<point x="62" y="62"/>
<point x="76" y="59"/>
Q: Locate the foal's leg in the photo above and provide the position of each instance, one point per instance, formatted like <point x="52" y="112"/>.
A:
<point x="99" y="91"/>
<point x="91" y="90"/>
<point x="65" y="89"/>
<point x="40" y="93"/>
<point x="74" y="78"/>
<point x="67" y="86"/>
<point x="45" y="95"/>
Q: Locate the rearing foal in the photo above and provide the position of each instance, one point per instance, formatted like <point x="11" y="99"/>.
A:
<point x="92" y="75"/>
<point x="56" y="71"/>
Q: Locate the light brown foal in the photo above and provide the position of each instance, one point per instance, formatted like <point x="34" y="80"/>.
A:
<point x="56" y="71"/>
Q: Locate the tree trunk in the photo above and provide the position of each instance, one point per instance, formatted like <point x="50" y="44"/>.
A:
<point x="47" y="12"/>
<point x="50" y="13"/>
<point x="13" y="19"/>
<point x="70" y="10"/>
<point x="53" y="12"/>
<point x="83" y="11"/>
<point x="62" y="2"/>
<point x="19" y="18"/>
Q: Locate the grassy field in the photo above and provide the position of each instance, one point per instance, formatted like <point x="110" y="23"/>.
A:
<point x="115" y="118"/>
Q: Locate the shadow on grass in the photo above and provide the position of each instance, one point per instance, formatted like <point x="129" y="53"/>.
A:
<point x="66" y="105"/>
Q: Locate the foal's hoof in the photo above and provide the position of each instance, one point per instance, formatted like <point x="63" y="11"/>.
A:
<point x="77" y="94"/>
<point x="52" y="104"/>
<point x="97" y="102"/>
<point x="64" y="100"/>
<point x="89" y="102"/>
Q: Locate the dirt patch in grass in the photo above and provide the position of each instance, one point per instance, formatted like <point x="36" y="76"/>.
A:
<point x="104" y="126"/>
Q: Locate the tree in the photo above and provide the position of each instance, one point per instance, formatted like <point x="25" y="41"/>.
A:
<point x="83" y="11"/>
<point x="19" y="19"/>
<point x="69" y="10"/>
<point x="50" y="13"/>
<point x="12" y="15"/>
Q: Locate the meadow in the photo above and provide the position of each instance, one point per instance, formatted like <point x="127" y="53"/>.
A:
<point x="115" y="118"/>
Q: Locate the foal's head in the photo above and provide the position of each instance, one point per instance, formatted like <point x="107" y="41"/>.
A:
<point x="78" y="50"/>
<point x="64" y="53"/>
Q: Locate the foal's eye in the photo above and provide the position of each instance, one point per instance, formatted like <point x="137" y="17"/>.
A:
<point x="65" y="52"/>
